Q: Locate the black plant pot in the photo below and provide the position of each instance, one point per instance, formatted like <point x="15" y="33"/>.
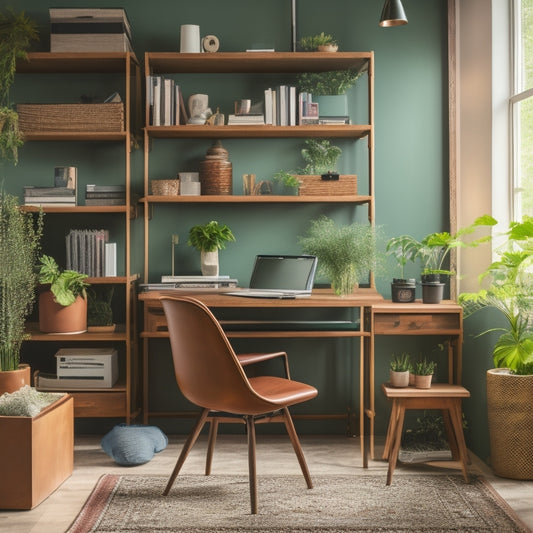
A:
<point x="432" y="293"/>
<point x="430" y="278"/>
<point x="403" y="290"/>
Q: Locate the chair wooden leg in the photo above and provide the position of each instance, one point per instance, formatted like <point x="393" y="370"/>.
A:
<point x="397" y="438"/>
<point x="213" y="430"/>
<point x="297" y="446"/>
<point x="189" y="443"/>
<point x="457" y="424"/>
<point x="250" y="427"/>
<point x="390" y="431"/>
<point x="450" y="433"/>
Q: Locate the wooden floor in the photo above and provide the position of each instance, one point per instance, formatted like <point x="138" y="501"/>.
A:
<point x="274" y="455"/>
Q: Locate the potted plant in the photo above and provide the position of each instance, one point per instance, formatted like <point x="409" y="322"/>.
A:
<point x="63" y="302"/>
<point x="434" y="249"/>
<point x="287" y="184"/>
<point x="321" y="43"/>
<point x="99" y="310"/>
<point x="321" y="156"/>
<point x="346" y="254"/>
<point x="16" y="33"/>
<point x="403" y="290"/>
<point x="399" y="370"/>
<point x="20" y="237"/>
<point x="424" y="370"/>
<point x="209" y="239"/>
<point x="509" y="290"/>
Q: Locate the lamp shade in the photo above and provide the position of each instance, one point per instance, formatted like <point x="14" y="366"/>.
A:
<point x="393" y="14"/>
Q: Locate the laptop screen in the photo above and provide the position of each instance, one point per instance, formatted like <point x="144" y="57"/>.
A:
<point x="283" y="272"/>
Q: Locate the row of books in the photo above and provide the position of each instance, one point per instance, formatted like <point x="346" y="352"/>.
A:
<point x="166" y="104"/>
<point x="105" y="194"/>
<point x="89" y="30"/>
<point x="49" y="196"/>
<point x="89" y="252"/>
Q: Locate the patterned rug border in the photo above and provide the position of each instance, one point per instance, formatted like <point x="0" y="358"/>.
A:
<point x="102" y="494"/>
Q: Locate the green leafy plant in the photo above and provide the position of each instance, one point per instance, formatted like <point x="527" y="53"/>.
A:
<point x="320" y="155"/>
<point x="286" y="179"/>
<point x="423" y="367"/>
<point x="210" y="237"/>
<point x="400" y="362"/>
<point x="310" y="43"/>
<point x="16" y="33"/>
<point x="99" y="310"/>
<point x="327" y="83"/>
<point x="434" y="248"/>
<point x="346" y="254"/>
<point x="66" y="285"/>
<point x="509" y="290"/>
<point x="20" y="237"/>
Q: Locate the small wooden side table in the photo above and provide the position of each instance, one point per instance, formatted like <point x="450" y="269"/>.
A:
<point x="442" y="396"/>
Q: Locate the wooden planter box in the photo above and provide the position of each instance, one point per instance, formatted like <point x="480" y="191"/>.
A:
<point x="37" y="454"/>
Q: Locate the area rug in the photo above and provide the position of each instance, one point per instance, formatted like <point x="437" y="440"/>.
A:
<point x="424" y="503"/>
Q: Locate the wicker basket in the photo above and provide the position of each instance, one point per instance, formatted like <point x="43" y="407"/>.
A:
<point x="165" y="187"/>
<point x="36" y="118"/>
<point x="316" y="186"/>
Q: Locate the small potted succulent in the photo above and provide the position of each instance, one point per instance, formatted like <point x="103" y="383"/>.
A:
<point x="424" y="370"/>
<point x="321" y="42"/>
<point x="63" y="302"/>
<point x="208" y="239"/>
<point x="399" y="370"/>
<point x="287" y="184"/>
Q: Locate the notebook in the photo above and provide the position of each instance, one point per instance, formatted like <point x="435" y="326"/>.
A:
<point x="281" y="276"/>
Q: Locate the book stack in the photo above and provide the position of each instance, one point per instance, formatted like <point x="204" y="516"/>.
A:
<point x="49" y="196"/>
<point x="89" y="252"/>
<point x="89" y="30"/>
<point x="166" y="103"/>
<point x="257" y="119"/>
<point x="198" y="282"/>
<point x="105" y="194"/>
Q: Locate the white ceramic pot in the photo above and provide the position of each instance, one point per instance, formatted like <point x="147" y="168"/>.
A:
<point x="209" y="263"/>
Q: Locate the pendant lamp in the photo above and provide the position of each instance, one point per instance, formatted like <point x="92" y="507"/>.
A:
<point x="393" y="14"/>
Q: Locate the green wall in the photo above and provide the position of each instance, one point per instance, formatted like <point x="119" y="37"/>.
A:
<point x="411" y="159"/>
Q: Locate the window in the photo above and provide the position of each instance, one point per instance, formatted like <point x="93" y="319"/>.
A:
<point x="521" y="108"/>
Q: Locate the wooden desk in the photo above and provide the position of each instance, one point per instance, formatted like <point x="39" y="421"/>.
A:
<point x="155" y="325"/>
<point x="416" y="318"/>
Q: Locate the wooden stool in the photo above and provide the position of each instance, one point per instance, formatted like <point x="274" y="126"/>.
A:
<point x="440" y="396"/>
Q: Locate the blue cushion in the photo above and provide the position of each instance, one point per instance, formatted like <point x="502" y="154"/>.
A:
<point x="133" y="445"/>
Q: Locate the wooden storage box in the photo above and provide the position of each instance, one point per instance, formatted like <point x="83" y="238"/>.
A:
<point x="38" y="118"/>
<point x="346" y="185"/>
<point x="37" y="454"/>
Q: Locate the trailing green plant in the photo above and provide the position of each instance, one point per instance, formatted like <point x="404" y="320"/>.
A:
<point x="423" y="367"/>
<point x="346" y="254"/>
<point x="286" y="179"/>
<point x="509" y="289"/>
<point x="320" y="155"/>
<point x="20" y="238"/>
<point x="400" y="362"/>
<point x="210" y="237"/>
<point x="310" y="43"/>
<point x="16" y="33"/>
<point x="66" y="285"/>
<point x="327" y="83"/>
<point x="435" y="248"/>
<point x="99" y="310"/>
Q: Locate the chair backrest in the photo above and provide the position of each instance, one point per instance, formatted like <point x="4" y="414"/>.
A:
<point x="207" y="370"/>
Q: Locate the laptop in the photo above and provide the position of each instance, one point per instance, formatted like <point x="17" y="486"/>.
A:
<point x="281" y="276"/>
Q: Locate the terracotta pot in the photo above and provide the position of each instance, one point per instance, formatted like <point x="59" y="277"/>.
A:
<point x="13" y="380"/>
<point x="423" y="382"/>
<point x="399" y="379"/>
<point x="56" y="318"/>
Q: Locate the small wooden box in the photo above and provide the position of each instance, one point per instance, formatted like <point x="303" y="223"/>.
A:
<point x="37" y="454"/>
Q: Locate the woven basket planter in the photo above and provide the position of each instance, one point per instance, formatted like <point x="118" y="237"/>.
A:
<point x="165" y="187"/>
<point x="346" y="185"/>
<point x="510" y="416"/>
<point x="37" y="118"/>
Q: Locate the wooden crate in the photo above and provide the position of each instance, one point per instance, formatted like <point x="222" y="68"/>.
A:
<point x="38" y="118"/>
<point x="37" y="454"/>
<point x="346" y="185"/>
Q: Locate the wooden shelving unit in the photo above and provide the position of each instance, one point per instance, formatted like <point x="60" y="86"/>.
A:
<point x="123" y="400"/>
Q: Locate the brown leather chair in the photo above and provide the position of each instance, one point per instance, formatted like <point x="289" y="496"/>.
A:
<point x="210" y="375"/>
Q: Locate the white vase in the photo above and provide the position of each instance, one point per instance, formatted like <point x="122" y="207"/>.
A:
<point x="209" y="263"/>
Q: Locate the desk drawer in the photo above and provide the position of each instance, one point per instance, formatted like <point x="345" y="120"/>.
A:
<point x="411" y="323"/>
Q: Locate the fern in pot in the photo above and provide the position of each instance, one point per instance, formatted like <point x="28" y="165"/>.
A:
<point x="346" y="254"/>
<point x="20" y="237"/>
